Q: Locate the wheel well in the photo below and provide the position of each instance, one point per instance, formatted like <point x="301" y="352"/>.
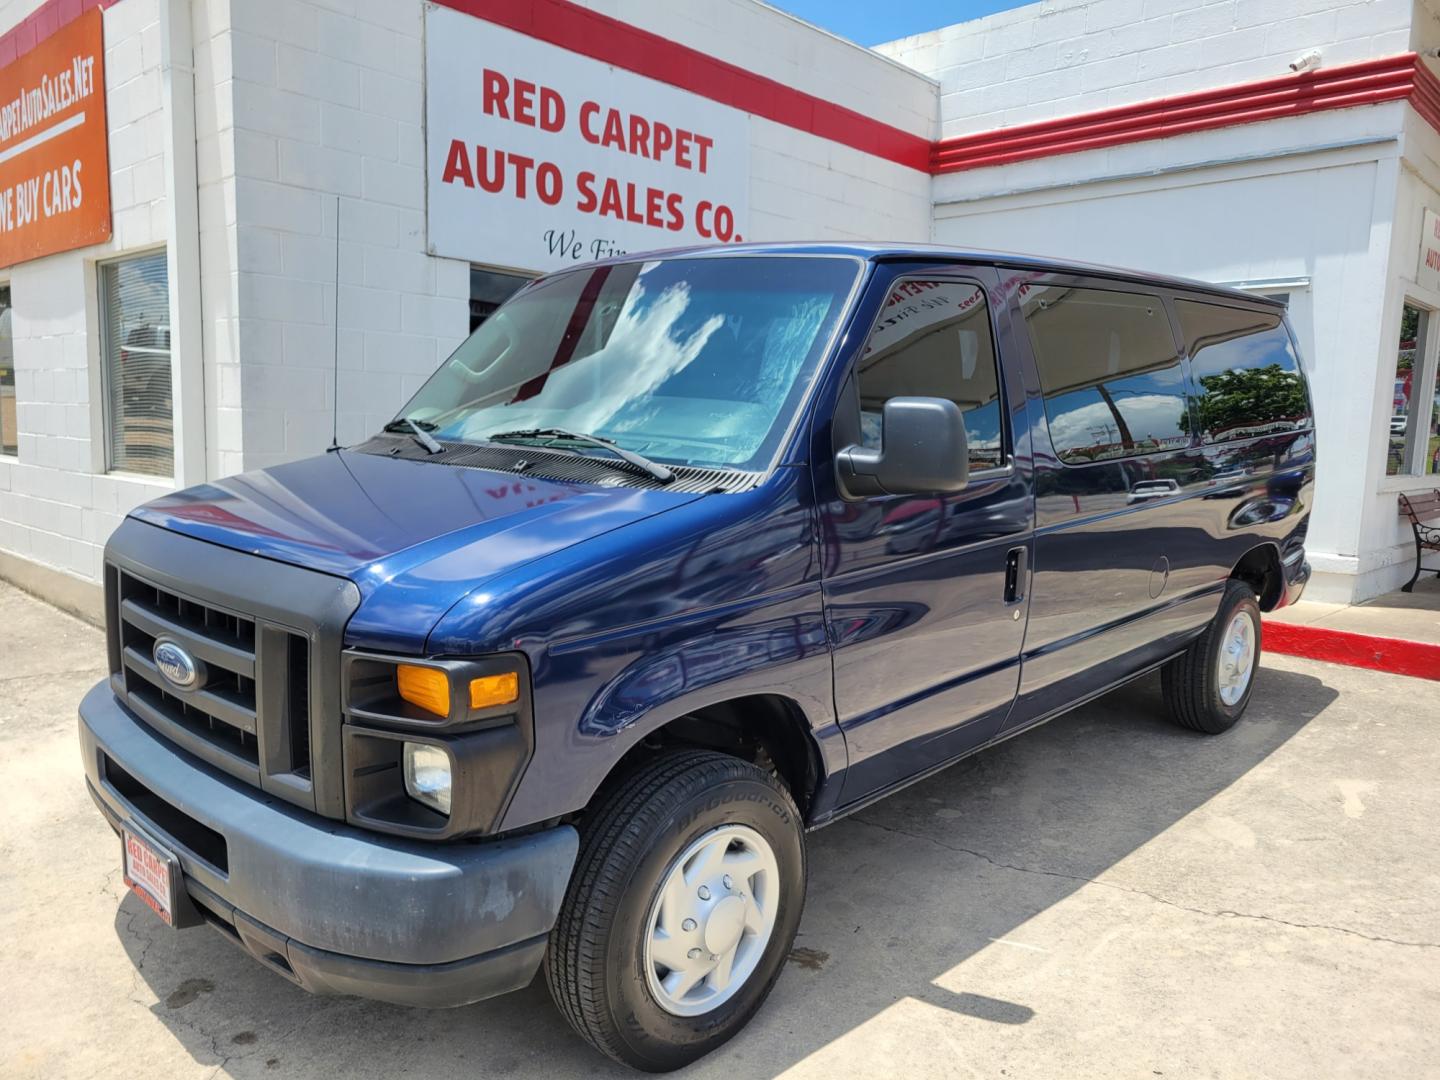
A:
<point x="1260" y="569"/>
<point x="766" y="729"/>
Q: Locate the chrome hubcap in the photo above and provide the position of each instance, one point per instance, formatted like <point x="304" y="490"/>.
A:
<point x="1237" y="658"/>
<point x="711" y="920"/>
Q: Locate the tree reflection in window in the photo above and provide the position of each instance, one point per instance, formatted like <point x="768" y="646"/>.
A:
<point x="1246" y="371"/>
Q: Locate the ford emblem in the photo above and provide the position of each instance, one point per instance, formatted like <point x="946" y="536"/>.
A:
<point x="176" y="664"/>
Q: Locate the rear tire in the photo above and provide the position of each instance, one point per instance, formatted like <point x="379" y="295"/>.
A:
<point x="1207" y="687"/>
<point x="694" y="856"/>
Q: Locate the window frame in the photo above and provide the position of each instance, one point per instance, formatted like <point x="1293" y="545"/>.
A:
<point x="1423" y="397"/>
<point x="1165" y="297"/>
<point x="850" y="382"/>
<point x="102" y="345"/>
<point x="8" y="285"/>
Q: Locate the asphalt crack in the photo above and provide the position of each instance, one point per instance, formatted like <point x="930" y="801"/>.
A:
<point x="1224" y="913"/>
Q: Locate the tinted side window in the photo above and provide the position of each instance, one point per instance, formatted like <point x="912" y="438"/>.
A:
<point x="1245" y="369"/>
<point x="1114" y="385"/>
<point x="934" y="340"/>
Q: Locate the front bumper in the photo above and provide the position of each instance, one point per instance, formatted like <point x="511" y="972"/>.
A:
<point x="333" y="908"/>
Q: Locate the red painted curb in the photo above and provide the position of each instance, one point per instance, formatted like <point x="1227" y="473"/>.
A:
<point x="1398" y="656"/>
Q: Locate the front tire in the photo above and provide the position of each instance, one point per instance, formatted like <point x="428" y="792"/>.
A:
<point x="1207" y="687"/>
<point x="681" y="909"/>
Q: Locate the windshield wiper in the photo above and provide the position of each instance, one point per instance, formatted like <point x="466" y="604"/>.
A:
<point x="640" y="461"/>
<point x="419" y="430"/>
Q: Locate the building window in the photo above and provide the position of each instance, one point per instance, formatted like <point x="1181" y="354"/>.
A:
<point x="934" y="340"/>
<point x="1413" y="441"/>
<point x="1113" y="382"/>
<point x="1245" y="370"/>
<point x="135" y="365"/>
<point x="9" y="440"/>
<point x="488" y="290"/>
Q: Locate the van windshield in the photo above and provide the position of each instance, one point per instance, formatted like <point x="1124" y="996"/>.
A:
<point x="698" y="361"/>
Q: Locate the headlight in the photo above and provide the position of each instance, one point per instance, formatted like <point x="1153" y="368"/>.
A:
<point x="427" y="776"/>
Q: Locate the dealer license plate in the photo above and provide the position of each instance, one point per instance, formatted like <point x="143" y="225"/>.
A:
<point x="151" y="872"/>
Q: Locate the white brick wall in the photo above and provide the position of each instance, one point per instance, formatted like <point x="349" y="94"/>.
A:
<point x="57" y="505"/>
<point x="1061" y="57"/>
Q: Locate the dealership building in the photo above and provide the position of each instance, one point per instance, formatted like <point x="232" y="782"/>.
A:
<point x="234" y="230"/>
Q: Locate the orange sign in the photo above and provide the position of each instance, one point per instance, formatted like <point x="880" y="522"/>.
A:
<point x="54" y="161"/>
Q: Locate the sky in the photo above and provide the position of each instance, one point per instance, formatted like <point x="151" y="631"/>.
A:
<point x="870" y="23"/>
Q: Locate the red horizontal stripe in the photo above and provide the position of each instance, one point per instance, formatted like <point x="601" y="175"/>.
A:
<point x="1369" y="82"/>
<point x="1249" y="101"/>
<point x="580" y="30"/>
<point x="1418" y="659"/>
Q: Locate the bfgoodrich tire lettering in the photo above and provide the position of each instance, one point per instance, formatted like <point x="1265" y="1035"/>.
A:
<point x="631" y="839"/>
<point x="1192" y="682"/>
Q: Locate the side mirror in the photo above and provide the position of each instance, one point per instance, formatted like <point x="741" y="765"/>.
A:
<point x="923" y="452"/>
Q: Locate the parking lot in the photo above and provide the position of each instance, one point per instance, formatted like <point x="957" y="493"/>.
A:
<point x="1106" y="896"/>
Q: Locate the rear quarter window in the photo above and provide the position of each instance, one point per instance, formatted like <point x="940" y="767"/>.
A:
<point x="1245" y="370"/>
<point x="1113" y="380"/>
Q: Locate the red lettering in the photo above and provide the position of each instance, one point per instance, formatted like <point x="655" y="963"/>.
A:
<point x="525" y="102"/>
<point x="552" y="110"/>
<point x="586" y="183"/>
<point x="548" y="183"/>
<point x="457" y="165"/>
<point x="610" y="205"/>
<point x="492" y="184"/>
<point x="614" y="131"/>
<point x="587" y="113"/>
<point x="639" y="135"/>
<point x="721" y="224"/>
<point x="522" y="166"/>
<point x="497" y="89"/>
<point x="664" y="139"/>
<point x="654" y="203"/>
<point x="677" y="215"/>
<point x="704" y="142"/>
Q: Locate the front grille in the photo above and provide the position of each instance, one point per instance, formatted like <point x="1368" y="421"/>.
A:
<point x="250" y="713"/>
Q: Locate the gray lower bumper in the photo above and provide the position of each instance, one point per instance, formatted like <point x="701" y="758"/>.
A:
<point x="334" y="908"/>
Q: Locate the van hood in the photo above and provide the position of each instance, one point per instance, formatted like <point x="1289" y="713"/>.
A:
<point x="414" y="536"/>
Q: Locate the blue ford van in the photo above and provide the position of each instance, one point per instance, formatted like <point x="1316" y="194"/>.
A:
<point x="677" y="558"/>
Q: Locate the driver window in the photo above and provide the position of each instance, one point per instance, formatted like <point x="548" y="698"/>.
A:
<point x="934" y="340"/>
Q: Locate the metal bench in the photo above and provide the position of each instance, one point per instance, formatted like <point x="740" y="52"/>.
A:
<point x="1418" y="509"/>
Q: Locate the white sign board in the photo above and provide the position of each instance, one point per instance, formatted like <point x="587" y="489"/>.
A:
<point x="537" y="158"/>
<point x="1428" y="273"/>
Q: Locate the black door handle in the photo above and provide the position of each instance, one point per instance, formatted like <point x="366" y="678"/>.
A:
<point x="1016" y="563"/>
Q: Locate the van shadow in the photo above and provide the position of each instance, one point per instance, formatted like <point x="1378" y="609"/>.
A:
<point x="901" y="895"/>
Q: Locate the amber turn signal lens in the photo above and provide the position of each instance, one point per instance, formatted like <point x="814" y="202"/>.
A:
<point x="426" y="687"/>
<point x="492" y="690"/>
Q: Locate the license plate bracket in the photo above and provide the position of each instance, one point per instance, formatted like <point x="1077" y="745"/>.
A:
<point x="152" y="872"/>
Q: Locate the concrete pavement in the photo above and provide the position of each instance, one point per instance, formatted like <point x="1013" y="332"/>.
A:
<point x="1414" y="616"/>
<point x="1108" y="896"/>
